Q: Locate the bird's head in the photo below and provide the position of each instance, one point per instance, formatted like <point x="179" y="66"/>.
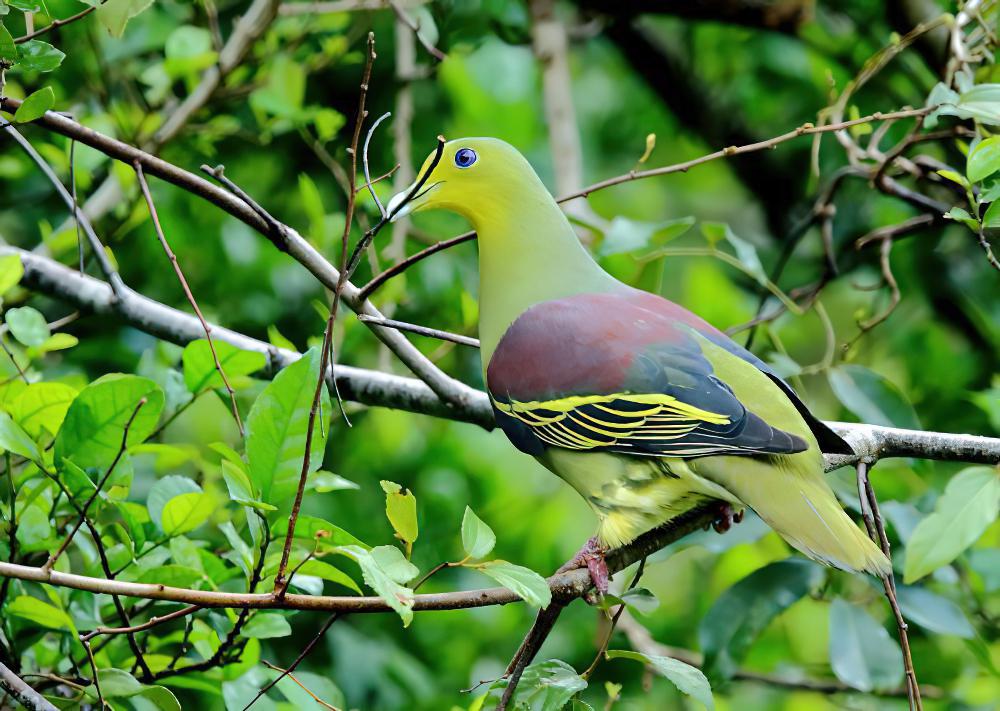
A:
<point x="475" y="177"/>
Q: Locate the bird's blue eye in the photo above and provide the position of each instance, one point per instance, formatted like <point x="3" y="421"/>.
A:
<point x="465" y="157"/>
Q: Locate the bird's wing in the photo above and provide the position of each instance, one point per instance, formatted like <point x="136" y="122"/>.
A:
<point x="604" y="372"/>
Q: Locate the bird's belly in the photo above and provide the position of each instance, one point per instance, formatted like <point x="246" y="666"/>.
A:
<point x="631" y="495"/>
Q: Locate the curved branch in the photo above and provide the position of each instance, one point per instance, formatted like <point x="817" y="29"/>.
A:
<point x="375" y="388"/>
<point x="564" y="586"/>
<point x="448" y="389"/>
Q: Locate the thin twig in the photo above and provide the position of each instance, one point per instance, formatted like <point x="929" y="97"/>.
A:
<point x="876" y="530"/>
<point x="368" y="289"/>
<point x="93" y="669"/>
<point x="277" y="232"/>
<point x="421" y="330"/>
<point x="144" y="186"/>
<point x="298" y="660"/>
<point x="302" y="686"/>
<point x="97" y="490"/>
<point x="415" y="27"/>
<point x="538" y="633"/>
<point x="326" y="357"/>
<point x="55" y="24"/>
<point x="153" y="622"/>
<point x="117" y="285"/>
<point x="984" y="243"/>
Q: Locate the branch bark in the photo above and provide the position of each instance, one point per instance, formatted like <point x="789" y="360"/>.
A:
<point x="448" y="389"/>
<point x="870" y="442"/>
<point x="25" y="695"/>
<point x="565" y="586"/>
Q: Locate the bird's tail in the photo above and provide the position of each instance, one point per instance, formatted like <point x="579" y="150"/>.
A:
<point x="790" y="494"/>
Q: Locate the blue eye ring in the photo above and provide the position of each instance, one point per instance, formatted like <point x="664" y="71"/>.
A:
<point x="465" y="157"/>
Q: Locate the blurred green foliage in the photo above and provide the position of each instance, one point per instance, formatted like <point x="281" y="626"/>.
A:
<point x="182" y="508"/>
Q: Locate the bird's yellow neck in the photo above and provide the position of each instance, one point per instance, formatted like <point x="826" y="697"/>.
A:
<point x="528" y="253"/>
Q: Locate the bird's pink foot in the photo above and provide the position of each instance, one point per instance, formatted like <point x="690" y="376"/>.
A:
<point x="726" y="518"/>
<point x="591" y="557"/>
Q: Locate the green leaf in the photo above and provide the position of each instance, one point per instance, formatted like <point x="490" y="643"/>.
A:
<point x="199" y="365"/>
<point x="312" y="528"/>
<point x="39" y="56"/>
<point x="933" y="612"/>
<point x="526" y="583"/>
<point x="478" y="539"/>
<point x="284" y="91"/>
<point x="8" y="50"/>
<point x="625" y="235"/>
<point x="317" y="684"/>
<point x="188" y="50"/>
<point x="92" y="432"/>
<point x="641" y="600"/>
<point x="984" y="160"/>
<point x="16" y="440"/>
<point x="862" y="654"/>
<point x="986" y="562"/>
<point x="117" y="683"/>
<point x="174" y="576"/>
<point x="685" y="677"/>
<point x="401" y="510"/>
<point x="872" y="398"/>
<point x="384" y="582"/>
<point x="267" y="625"/>
<point x="547" y="686"/>
<point x="991" y="218"/>
<point x="186" y="512"/>
<point x="11" y="271"/>
<point x="166" y="489"/>
<point x="240" y="488"/>
<point x="276" y="429"/>
<point x="394" y="563"/>
<point x="745" y="610"/>
<point x="277" y="340"/>
<point x="35" y="105"/>
<point x="58" y="342"/>
<point x="966" y="508"/>
<point x="115" y="14"/>
<point x="322" y="569"/>
<point x="323" y="482"/>
<point x="954" y="177"/>
<point x="42" y="407"/>
<point x="39" y="612"/>
<point x="27" y="325"/>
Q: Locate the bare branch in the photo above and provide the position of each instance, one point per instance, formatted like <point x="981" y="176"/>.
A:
<point x="150" y="624"/>
<point x="422" y="331"/>
<point x="144" y="186"/>
<point x="55" y="24"/>
<point x="453" y="392"/>
<point x="24" y="694"/>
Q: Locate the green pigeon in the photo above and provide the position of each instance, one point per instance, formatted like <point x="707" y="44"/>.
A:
<point x="641" y="406"/>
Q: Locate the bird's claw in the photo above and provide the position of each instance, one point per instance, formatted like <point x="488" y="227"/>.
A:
<point x="591" y="557"/>
<point x="726" y="518"/>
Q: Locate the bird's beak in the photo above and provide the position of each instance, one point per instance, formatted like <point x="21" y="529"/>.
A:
<point x="399" y="207"/>
<point x="393" y="208"/>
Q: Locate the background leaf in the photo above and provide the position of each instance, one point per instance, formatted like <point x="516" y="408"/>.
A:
<point x="862" y="654"/>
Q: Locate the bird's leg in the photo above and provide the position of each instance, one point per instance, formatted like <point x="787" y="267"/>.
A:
<point x="591" y="557"/>
<point x="727" y="517"/>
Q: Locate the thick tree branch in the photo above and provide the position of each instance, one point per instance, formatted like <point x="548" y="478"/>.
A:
<point x="370" y="387"/>
<point x="565" y="586"/>
<point x="447" y="388"/>
<point x="25" y="695"/>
